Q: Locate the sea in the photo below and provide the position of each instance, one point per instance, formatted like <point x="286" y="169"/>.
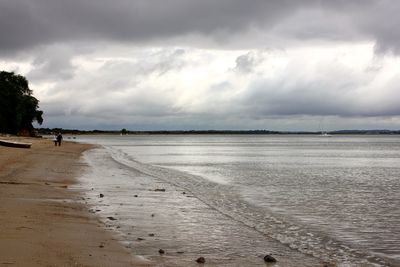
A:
<point x="304" y="199"/>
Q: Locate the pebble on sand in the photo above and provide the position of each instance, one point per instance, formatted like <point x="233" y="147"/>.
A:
<point x="269" y="258"/>
<point x="101" y="195"/>
<point x="201" y="260"/>
<point x="161" y="251"/>
<point x="160" y="190"/>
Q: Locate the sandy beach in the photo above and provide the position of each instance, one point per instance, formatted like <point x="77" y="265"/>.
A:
<point x="42" y="223"/>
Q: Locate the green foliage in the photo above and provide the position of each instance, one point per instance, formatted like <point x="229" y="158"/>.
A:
<point x="124" y="131"/>
<point x="18" y="108"/>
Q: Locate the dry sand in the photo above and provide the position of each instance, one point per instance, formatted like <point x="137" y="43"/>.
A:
<point x="42" y="223"/>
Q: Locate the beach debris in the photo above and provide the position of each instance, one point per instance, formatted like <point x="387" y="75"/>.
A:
<point x="15" y="183"/>
<point x="101" y="195"/>
<point x="161" y="251"/>
<point x="152" y="215"/>
<point x="183" y="193"/>
<point x="111" y="218"/>
<point x="151" y="234"/>
<point x="159" y="190"/>
<point x="201" y="260"/>
<point x="135" y="195"/>
<point x="23" y="227"/>
<point x="140" y="239"/>
<point x="269" y="258"/>
<point x="180" y="252"/>
<point x="102" y="245"/>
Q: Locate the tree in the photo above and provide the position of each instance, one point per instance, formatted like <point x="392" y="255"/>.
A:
<point x="124" y="131"/>
<point x="18" y="108"/>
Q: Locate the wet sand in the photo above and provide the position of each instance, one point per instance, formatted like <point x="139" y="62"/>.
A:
<point x="42" y="221"/>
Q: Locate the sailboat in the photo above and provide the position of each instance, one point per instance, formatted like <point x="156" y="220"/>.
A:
<point x="323" y="133"/>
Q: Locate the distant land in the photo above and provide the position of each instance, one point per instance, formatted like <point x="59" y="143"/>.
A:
<point x="48" y="131"/>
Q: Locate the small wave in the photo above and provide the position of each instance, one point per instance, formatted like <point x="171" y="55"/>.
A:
<point x="226" y="199"/>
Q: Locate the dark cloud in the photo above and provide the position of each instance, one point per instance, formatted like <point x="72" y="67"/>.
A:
<point x="27" y="23"/>
<point x="246" y="63"/>
<point x="266" y="99"/>
<point x="52" y="63"/>
<point x="316" y="98"/>
<point x="31" y="22"/>
<point x="383" y="25"/>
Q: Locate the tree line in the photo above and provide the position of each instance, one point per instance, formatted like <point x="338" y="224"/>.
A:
<point x="18" y="108"/>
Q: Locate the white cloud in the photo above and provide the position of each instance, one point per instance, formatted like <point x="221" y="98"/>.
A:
<point x="160" y="88"/>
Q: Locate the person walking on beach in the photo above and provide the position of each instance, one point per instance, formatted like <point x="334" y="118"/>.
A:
<point x="55" y="140"/>
<point x="59" y="139"/>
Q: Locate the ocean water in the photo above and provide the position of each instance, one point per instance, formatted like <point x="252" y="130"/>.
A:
<point x="334" y="198"/>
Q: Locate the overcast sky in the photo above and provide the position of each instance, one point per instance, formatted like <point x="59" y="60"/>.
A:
<point x="209" y="64"/>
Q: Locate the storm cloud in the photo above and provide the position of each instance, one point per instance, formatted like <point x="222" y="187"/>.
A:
<point x="186" y="64"/>
<point x="27" y="23"/>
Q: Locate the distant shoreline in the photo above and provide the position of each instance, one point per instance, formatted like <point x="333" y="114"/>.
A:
<point x="48" y="131"/>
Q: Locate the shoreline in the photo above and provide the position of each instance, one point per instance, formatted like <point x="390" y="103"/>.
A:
<point x="50" y="219"/>
<point x="151" y="214"/>
<point x="43" y="222"/>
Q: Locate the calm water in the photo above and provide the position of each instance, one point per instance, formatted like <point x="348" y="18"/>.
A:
<point x="336" y="198"/>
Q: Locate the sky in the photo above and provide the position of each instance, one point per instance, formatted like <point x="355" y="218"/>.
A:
<point x="209" y="64"/>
